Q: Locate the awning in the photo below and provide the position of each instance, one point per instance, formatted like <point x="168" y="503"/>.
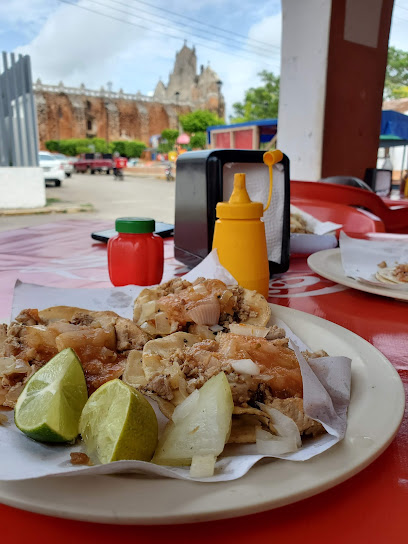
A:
<point x="394" y="129"/>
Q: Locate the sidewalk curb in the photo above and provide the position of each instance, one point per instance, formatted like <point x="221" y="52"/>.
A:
<point x="75" y="208"/>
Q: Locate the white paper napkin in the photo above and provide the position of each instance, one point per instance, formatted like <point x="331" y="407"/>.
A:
<point x="257" y="184"/>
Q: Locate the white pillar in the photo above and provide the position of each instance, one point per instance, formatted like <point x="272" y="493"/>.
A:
<point x="304" y="51"/>
<point x="334" y="56"/>
<point x="22" y="187"/>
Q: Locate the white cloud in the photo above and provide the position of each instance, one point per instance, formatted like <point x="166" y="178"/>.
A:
<point x="25" y="16"/>
<point x="76" y="46"/>
<point x="238" y="75"/>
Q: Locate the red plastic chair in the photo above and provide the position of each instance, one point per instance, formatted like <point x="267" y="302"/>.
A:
<point x="395" y="218"/>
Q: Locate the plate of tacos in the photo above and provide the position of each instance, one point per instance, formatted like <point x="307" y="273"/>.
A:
<point x="182" y="334"/>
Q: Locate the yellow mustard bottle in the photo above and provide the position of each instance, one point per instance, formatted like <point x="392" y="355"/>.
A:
<point x="239" y="234"/>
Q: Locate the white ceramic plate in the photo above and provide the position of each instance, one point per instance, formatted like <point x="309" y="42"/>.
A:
<point x="327" y="264"/>
<point x="376" y="409"/>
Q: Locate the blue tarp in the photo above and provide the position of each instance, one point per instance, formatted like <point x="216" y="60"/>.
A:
<point x="394" y="124"/>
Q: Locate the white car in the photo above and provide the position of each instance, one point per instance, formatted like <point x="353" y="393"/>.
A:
<point x="67" y="162"/>
<point x="52" y="167"/>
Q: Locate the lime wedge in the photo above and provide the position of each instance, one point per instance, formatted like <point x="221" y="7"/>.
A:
<point x="118" y="423"/>
<point x="50" y="405"/>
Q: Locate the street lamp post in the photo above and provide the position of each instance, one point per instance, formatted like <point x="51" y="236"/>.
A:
<point x="219" y="84"/>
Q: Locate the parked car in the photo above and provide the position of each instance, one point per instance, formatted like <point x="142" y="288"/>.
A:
<point x="53" y="168"/>
<point x="67" y="162"/>
<point x="94" y="162"/>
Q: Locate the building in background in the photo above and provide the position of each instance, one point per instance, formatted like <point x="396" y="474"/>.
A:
<point x="248" y="135"/>
<point x="68" y="112"/>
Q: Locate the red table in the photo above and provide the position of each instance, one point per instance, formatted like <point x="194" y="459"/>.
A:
<point x="370" y="507"/>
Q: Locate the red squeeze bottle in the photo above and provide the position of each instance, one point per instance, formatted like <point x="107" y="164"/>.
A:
<point x="135" y="254"/>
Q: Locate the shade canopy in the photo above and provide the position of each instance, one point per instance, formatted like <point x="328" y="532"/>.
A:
<point x="183" y="139"/>
<point x="394" y="129"/>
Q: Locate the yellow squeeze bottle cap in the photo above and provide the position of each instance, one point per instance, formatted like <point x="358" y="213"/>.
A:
<point x="239" y="206"/>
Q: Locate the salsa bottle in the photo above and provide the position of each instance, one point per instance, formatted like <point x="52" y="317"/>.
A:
<point x="135" y="254"/>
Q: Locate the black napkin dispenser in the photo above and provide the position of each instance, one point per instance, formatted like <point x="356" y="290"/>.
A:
<point x="205" y="178"/>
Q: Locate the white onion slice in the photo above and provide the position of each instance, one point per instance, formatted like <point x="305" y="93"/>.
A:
<point x="284" y="425"/>
<point x="148" y="311"/>
<point x="248" y="330"/>
<point x="205" y="311"/>
<point x="187" y="406"/>
<point x="202" y="466"/>
<point x="162" y="323"/>
<point x="269" y="444"/>
<point x="149" y="328"/>
<point x="245" y="366"/>
<point x="200" y="289"/>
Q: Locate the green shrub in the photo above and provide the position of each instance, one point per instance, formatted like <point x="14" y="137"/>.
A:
<point x="52" y="145"/>
<point x="76" y="146"/>
<point x="132" y="148"/>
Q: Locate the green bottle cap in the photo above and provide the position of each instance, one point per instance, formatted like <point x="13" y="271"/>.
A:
<point x="135" y="225"/>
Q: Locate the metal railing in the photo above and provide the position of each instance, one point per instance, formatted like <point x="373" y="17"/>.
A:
<point x="18" y="118"/>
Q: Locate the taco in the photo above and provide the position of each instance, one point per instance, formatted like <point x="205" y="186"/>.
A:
<point x="397" y="274"/>
<point x="262" y="374"/>
<point x="179" y="305"/>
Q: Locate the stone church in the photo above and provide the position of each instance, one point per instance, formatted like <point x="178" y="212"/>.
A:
<point x="77" y="112"/>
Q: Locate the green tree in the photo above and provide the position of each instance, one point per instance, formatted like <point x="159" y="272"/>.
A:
<point x="170" y="134"/>
<point x="396" y="75"/>
<point x="259" y="102"/>
<point x="198" y="140"/>
<point x="168" y="139"/>
<point x="198" y="121"/>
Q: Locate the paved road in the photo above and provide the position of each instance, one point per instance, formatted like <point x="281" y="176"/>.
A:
<point x="133" y="196"/>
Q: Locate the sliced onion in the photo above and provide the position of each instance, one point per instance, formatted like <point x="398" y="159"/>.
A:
<point x="201" y="289"/>
<point x="205" y="311"/>
<point x="269" y="444"/>
<point x="284" y="425"/>
<point x="10" y="365"/>
<point x="185" y="408"/>
<point x="248" y="330"/>
<point x="149" y="328"/>
<point x="201" y="330"/>
<point x="148" y="311"/>
<point x="227" y="294"/>
<point x="217" y="328"/>
<point x="202" y="466"/>
<point x="162" y="323"/>
<point x="245" y="366"/>
<point x="265" y="377"/>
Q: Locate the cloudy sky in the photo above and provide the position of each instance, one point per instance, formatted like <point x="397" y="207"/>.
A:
<point x="133" y="42"/>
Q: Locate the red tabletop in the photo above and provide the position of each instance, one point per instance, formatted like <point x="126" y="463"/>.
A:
<point x="370" y="507"/>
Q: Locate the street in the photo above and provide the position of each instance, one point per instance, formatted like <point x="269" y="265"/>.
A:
<point x="134" y="196"/>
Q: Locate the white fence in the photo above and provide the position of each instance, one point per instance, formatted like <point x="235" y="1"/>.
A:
<point x="18" y="119"/>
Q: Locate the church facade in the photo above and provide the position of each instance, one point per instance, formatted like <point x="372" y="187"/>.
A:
<point x="77" y="112"/>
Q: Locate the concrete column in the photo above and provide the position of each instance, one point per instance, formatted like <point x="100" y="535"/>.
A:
<point x="334" y="55"/>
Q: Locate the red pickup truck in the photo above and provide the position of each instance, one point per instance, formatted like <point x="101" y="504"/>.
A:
<point x="94" y="162"/>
